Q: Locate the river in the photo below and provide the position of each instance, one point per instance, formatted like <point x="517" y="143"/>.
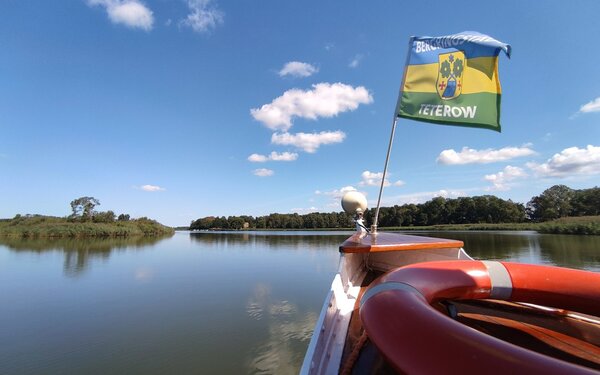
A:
<point x="195" y="303"/>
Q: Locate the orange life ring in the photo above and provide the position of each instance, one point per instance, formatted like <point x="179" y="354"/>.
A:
<point x="397" y="314"/>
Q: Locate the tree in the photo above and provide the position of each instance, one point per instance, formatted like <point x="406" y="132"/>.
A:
<point x="553" y="203"/>
<point x="124" y="217"/>
<point x="586" y="202"/>
<point x="235" y="222"/>
<point x="83" y="207"/>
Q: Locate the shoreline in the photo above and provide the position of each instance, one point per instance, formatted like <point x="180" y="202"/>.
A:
<point x="584" y="225"/>
<point x="54" y="227"/>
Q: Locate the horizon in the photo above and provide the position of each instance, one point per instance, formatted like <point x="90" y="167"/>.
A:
<point x="340" y="210"/>
<point x="187" y="109"/>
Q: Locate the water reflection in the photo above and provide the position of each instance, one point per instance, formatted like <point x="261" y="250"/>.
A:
<point x="582" y="252"/>
<point x="571" y="251"/>
<point x="79" y="252"/>
<point x="289" y="240"/>
<point x="289" y="331"/>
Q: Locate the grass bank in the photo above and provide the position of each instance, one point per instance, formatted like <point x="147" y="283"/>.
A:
<point x="585" y="225"/>
<point x="49" y="226"/>
<point x="482" y="226"/>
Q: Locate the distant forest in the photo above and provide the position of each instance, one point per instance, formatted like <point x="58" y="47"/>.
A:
<point x="555" y="202"/>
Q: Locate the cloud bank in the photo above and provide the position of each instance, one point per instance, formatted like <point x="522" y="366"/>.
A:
<point x="421" y="197"/>
<point x="273" y="156"/>
<point x="570" y="162"/>
<point x="374" y="179"/>
<point x="471" y="156"/>
<point x="501" y="181"/>
<point x="336" y="193"/>
<point x="308" y="142"/>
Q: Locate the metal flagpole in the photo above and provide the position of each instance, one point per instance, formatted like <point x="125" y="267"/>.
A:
<point x="387" y="159"/>
<point x="389" y="151"/>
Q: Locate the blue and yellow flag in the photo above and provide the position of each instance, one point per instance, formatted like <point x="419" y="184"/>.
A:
<point x="453" y="80"/>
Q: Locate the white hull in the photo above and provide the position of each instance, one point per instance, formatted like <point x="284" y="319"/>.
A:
<point x="326" y="347"/>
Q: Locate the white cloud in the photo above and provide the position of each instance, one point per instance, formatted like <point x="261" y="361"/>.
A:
<point x="570" y="162"/>
<point x="309" y="142"/>
<point x="336" y="193"/>
<point x="593" y="106"/>
<point x="421" y="197"/>
<point x="298" y="69"/>
<point x="131" y="13"/>
<point x="152" y="188"/>
<point x="374" y="179"/>
<point x="302" y="211"/>
<point x="257" y="158"/>
<point x="502" y="180"/>
<point x="335" y="197"/>
<point x="263" y="172"/>
<point x="471" y="156"/>
<point x="324" y="100"/>
<point x="273" y="156"/>
<point x="356" y="61"/>
<point x="202" y="17"/>
<point x="284" y="156"/>
<point x="333" y="206"/>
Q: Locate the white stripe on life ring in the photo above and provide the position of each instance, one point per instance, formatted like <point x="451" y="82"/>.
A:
<point x="500" y="280"/>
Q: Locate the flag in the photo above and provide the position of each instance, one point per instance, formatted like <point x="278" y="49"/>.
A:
<point x="453" y="80"/>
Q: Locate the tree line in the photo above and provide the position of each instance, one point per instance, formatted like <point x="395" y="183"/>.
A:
<point x="555" y="202"/>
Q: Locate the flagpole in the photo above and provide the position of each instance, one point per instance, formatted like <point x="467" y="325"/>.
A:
<point x="387" y="159"/>
<point x="389" y="151"/>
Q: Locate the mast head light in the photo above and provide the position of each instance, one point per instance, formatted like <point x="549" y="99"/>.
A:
<point x="354" y="203"/>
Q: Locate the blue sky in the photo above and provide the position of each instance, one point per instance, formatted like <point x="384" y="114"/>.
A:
<point x="180" y="109"/>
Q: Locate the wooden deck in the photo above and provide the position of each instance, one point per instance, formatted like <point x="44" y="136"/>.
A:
<point x="385" y="241"/>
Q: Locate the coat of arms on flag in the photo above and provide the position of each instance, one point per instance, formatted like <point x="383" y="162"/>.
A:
<point x="450" y="74"/>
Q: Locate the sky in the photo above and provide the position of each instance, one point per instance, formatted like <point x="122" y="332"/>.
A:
<point x="181" y="109"/>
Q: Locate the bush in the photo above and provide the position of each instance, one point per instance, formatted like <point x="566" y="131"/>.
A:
<point x="104" y="217"/>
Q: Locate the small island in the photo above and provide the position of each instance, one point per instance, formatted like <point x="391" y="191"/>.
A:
<point x="84" y="221"/>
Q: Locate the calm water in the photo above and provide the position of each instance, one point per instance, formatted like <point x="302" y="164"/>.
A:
<point x="201" y="303"/>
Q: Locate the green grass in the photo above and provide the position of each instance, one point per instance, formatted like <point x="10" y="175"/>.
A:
<point x="481" y="226"/>
<point x="49" y="226"/>
<point x="586" y="225"/>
